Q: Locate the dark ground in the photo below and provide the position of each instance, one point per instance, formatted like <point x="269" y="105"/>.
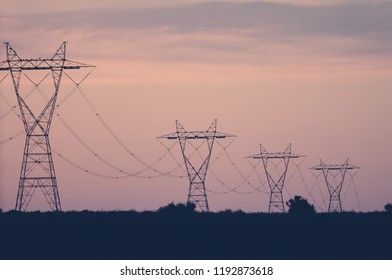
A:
<point x="225" y="235"/>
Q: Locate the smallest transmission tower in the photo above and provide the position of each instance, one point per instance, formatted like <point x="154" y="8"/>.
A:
<point x="335" y="185"/>
<point x="196" y="172"/>
<point x="276" y="204"/>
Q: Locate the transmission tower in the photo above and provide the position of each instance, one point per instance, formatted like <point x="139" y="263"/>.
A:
<point x="335" y="185"/>
<point x="276" y="183"/>
<point x="196" y="173"/>
<point x="37" y="166"/>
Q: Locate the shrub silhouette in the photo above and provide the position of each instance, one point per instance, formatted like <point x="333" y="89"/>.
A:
<point x="388" y="207"/>
<point x="299" y="205"/>
<point x="178" y="208"/>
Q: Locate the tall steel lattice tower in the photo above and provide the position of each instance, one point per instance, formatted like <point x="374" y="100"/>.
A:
<point x="37" y="166"/>
<point x="276" y="183"/>
<point x="334" y="175"/>
<point x="196" y="173"/>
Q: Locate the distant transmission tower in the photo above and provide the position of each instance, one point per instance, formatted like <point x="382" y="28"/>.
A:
<point x="276" y="183"/>
<point x="37" y="166"/>
<point x="197" y="174"/>
<point x="334" y="184"/>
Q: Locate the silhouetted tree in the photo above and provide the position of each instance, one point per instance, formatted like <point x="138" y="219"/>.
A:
<point x="388" y="207"/>
<point x="178" y="208"/>
<point x="299" y="205"/>
<point x="1" y="210"/>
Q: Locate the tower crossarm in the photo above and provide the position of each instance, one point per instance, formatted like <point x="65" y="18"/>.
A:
<point x="275" y="155"/>
<point x="334" y="167"/>
<point x="57" y="62"/>
<point x="196" y="135"/>
<point x="41" y="64"/>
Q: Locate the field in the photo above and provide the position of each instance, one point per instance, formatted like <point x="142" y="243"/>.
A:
<point x="192" y="235"/>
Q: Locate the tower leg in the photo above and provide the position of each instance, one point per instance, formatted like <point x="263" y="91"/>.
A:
<point x="276" y="204"/>
<point x="335" y="204"/>
<point x="198" y="196"/>
<point x="37" y="172"/>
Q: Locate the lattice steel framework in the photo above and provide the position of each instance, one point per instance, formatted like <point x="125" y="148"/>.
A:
<point x="335" y="186"/>
<point x="197" y="174"/>
<point x="276" y="185"/>
<point x="37" y="166"/>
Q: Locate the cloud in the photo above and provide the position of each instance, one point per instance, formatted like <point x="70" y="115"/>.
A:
<point x="342" y="20"/>
<point x="242" y="29"/>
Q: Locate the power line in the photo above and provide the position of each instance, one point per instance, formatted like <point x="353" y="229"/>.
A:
<point x="230" y="189"/>
<point x="310" y="195"/>
<point x="97" y="155"/>
<point x="244" y="177"/>
<point x="25" y="97"/>
<point x="8" y="139"/>
<point x="119" y="141"/>
<point x="354" y="189"/>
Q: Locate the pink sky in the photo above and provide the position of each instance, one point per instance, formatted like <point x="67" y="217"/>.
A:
<point x="316" y="76"/>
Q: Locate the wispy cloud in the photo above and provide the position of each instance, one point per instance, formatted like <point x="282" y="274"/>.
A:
<point x="242" y="29"/>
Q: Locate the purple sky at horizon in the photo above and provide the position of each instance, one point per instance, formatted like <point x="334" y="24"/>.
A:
<point x="313" y="73"/>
